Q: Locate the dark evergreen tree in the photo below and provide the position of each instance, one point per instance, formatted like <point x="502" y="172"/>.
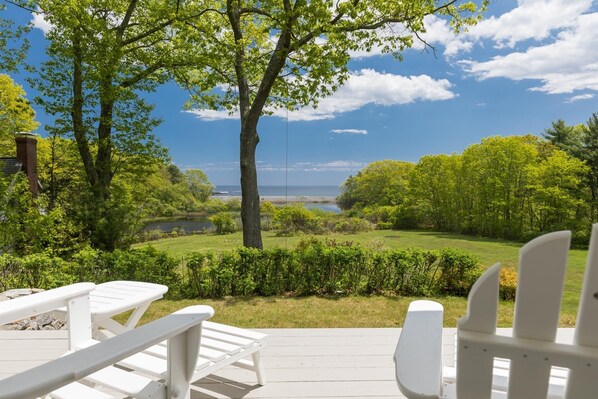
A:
<point x="562" y="136"/>
<point x="589" y="153"/>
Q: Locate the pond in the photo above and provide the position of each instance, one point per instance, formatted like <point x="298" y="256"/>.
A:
<point x="201" y="224"/>
<point x="189" y="225"/>
<point x="330" y="207"/>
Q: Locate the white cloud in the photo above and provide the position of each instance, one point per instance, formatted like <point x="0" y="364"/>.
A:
<point x="371" y="87"/>
<point x="530" y="20"/>
<point x="363" y="87"/>
<point x="211" y="115"/>
<point x="213" y="166"/>
<point x="332" y="166"/>
<point x="579" y="98"/>
<point x="568" y="64"/>
<point x="39" y="22"/>
<point x="349" y="131"/>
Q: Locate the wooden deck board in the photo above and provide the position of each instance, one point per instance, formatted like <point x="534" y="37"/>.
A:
<point x="299" y="363"/>
<point x="314" y="364"/>
<point x="22" y="350"/>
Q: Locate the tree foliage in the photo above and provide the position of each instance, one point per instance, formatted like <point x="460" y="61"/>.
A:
<point x="508" y="187"/>
<point x="260" y="56"/>
<point x="16" y="114"/>
<point x="26" y="228"/>
<point x="581" y="142"/>
<point x="102" y="55"/>
<point x="13" y="46"/>
<point x="380" y="183"/>
<point x="199" y="185"/>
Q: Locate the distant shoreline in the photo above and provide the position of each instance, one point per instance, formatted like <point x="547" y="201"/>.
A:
<point x="281" y="199"/>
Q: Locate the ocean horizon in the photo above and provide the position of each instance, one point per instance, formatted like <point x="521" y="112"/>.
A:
<point x="282" y="191"/>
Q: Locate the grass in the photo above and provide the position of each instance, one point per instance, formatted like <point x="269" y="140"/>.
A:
<point x="318" y="312"/>
<point x="487" y="249"/>
<point x="357" y="311"/>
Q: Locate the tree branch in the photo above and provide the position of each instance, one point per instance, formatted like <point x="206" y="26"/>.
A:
<point x="142" y="75"/>
<point x="125" y="23"/>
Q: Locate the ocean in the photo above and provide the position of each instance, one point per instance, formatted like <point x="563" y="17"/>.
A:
<point x="281" y="191"/>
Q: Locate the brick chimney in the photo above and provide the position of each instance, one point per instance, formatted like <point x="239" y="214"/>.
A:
<point x="27" y="155"/>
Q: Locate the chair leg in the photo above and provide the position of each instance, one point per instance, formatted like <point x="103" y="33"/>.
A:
<point x="257" y="364"/>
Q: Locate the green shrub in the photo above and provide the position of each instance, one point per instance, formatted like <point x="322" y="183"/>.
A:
<point x="313" y="267"/>
<point x="10" y="272"/>
<point x="380" y="214"/>
<point x="458" y="271"/>
<point x="267" y="212"/>
<point x="384" y="226"/>
<point x="224" y="222"/>
<point x="46" y="271"/>
<point x="40" y="270"/>
<point x="295" y="218"/>
<point x="328" y="267"/>
<point x="198" y="264"/>
<point x="352" y="225"/>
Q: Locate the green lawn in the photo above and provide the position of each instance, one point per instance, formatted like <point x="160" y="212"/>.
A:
<point x="357" y="311"/>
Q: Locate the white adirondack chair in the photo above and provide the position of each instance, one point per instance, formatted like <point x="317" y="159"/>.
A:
<point x="93" y="361"/>
<point x="537" y="366"/>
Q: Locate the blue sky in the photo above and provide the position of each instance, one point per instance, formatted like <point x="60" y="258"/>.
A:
<point x="528" y="63"/>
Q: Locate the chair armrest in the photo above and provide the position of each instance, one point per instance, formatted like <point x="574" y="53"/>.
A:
<point x="418" y="357"/>
<point x="74" y="366"/>
<point x="42" y="302"/>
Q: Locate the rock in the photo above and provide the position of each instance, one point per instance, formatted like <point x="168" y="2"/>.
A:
<point x="12" y="294"/>
<point x="41" y="322"/>
<point x="9" y="327"/>
<point x="22" y="324"/>
<point x="44" y="319"/>
<point x="57" y="324"/>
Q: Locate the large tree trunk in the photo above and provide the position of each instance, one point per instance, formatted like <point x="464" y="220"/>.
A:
<point x="250" y="199"/>
<point x="98" y="219"/>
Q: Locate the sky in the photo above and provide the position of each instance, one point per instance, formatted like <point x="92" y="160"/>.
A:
<point x="525" y="65"/>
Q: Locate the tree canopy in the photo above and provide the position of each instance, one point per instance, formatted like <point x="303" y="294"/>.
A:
<point x="259" y="56"/>
<point x="507" y="187"/>
<point x="16" y="114"/>
<point x="380" y="183"/>
<point x="102" y="55"/>
<point x="13" y="46"/>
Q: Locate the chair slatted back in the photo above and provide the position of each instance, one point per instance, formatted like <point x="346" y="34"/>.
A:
<point x="586" y="329"/>
<point x="532" y="349"/>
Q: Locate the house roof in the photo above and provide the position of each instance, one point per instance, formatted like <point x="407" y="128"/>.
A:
<point x="10" y="166"/>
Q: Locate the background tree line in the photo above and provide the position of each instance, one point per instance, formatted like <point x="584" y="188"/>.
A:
<point x="506" y="187"/>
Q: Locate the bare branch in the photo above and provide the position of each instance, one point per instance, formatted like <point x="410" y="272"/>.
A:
<point x="426" y="45"/>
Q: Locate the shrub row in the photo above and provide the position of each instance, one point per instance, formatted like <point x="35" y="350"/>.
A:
<point x="314" y="267"/>
<point x="317" y="267"/>
<point x="45" y="271"/>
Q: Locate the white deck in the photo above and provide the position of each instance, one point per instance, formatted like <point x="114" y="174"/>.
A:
<point x="299" y="363"/>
